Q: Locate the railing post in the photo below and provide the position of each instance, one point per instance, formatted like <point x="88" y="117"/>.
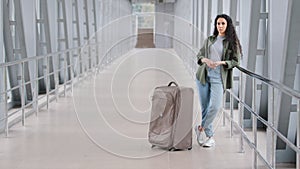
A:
<point x="254" y="122"/>
<point x="274" y="137"/>
<point x="231" y="114"/>
<point x="224" y="113"/>
<point x="298" y="135"/>
<point x="36" y="81"/>
<point x="56" y="75"/>
<point x="22" y="86"/>
<point x="5" y="102"/>
<point x="47" y="81"/>
<point x="72" y="75"/>
<point x="80" y="62"/>
<point x="65" y="73"/>
<point x="241" y="108"/>
<point x="271" y="137"/>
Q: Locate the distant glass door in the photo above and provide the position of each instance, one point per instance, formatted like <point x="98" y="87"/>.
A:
<point x="146" y="19"/>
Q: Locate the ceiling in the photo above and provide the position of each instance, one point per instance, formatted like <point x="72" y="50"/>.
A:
<point x="143" y="1"/>
<point x="152" y="1"/>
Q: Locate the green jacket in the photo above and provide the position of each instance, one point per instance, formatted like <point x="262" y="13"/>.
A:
<point x="229" y="56"/>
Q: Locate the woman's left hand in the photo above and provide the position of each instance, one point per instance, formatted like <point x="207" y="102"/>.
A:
<point x="218" y="63"/>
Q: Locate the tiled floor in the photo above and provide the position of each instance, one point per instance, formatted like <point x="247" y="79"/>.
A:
<point x="104" y="125"/>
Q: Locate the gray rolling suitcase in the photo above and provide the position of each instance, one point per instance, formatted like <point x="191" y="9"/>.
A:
<point x="171" y="117"/>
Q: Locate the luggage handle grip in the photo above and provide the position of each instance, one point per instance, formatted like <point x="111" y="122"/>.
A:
<point x="172" y="83"/>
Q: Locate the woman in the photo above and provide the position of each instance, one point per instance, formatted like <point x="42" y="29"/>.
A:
<point x="220" y="53"/>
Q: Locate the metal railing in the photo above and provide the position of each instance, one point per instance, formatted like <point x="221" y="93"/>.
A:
<point x="33" y="106"/>
<point x="272" y="131"/>
<point x="78" y="70"/>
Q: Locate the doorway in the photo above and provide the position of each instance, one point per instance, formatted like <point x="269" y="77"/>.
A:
<point x="145" y="24"/>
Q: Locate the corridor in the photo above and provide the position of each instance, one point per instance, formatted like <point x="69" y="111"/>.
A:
<point x="78" y="76"/>
<point x="105" y="125"/>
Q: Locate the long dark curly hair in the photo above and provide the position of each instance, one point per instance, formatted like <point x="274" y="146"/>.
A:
<point x="230" y="33"/>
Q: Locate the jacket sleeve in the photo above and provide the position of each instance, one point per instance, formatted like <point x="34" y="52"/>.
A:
<point x="234" y="60"/>
<point x="201" y="53"/>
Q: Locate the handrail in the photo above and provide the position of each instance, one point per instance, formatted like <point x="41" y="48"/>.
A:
<point x="281" y="136"/>
<point x="271" y="163"/>
<point x="33" y="58"/>
<point x="281" y="87"/>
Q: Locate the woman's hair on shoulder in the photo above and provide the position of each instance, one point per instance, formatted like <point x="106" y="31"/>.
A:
<point x="230" y="33"/>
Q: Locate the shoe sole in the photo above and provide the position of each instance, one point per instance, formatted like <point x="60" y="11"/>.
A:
<point x="207" y="146"/>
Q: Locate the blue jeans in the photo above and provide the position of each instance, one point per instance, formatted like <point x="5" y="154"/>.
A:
<point x="211" y="96"/>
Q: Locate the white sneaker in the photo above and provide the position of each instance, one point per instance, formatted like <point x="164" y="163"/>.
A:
<point x="209" y="142"/>
<point x="200" y="136"/>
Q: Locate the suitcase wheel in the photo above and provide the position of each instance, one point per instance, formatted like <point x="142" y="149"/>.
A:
<point x="190" y="148"/>
<point x="172" y="149"/>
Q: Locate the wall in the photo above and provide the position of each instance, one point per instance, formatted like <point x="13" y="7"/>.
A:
<point x="278" y="15"/>
<point x="116" y="26"/>
<point x="164" y="25"/>
<point x="182" y="27"/>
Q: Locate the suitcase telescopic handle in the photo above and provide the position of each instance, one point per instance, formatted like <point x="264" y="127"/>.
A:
<point x="172" y="83"/>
